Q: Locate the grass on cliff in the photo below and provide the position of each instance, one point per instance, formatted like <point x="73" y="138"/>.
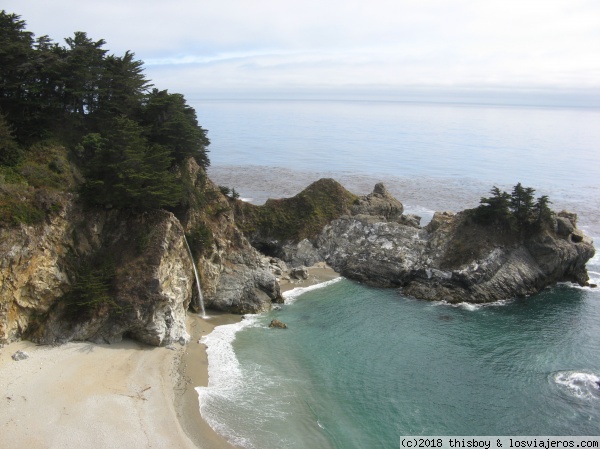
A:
<point x="32" y="189"/>
<point x="294" y="219"/>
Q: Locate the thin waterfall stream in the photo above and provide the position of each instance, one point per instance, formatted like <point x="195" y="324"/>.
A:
<point x="200" y="297"/>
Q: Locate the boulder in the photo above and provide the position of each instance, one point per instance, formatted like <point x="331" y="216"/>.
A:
<point x="301" y="253"/>
<point x="300" y="273"/>
<point x="278" y="324"/>
<point x="20" y="355"/>
<point x="564" y="226"/>
<point x="571" y="216"/>
<point x="410" y="220"/>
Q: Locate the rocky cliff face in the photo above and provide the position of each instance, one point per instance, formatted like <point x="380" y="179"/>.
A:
<point x="100" y="275"/>
<point x="234" y="275"/>
<point x="135" y="268"/>
<point x="452" y="258"/>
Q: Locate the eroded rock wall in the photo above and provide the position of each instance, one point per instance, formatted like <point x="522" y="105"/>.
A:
<point x="453" y="258"/>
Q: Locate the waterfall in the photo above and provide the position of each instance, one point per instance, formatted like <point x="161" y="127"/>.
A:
<point x="200" y="297"/>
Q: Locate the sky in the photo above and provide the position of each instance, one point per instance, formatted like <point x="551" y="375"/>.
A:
<point x="269" y="47"/>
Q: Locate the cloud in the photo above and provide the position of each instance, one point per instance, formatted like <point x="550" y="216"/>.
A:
<point x="190" y="45"/>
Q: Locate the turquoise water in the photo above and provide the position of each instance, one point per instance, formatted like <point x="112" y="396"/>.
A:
<point x="358" y="366"/>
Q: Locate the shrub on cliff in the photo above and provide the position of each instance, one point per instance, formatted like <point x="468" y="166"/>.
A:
<point x="302" y="216"/>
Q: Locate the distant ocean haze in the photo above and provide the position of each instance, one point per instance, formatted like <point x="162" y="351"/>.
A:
<point x="436" y="156"/>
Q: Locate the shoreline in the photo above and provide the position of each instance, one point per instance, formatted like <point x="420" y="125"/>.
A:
<point x="192" y="373"/>
<point x="193" y="365"/>
<point x="317" y="274"/>
<point x="125" y="394"/>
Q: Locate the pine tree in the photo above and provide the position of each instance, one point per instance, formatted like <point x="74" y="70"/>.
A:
<point x="128" y="173"/>
<point x="494" y="208"/>
<point x="542" y="209"/>
<point x="173" y="124"/>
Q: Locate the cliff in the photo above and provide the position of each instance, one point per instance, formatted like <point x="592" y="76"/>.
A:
<point x="454" y="258"/>
<point x="99" y="274"/>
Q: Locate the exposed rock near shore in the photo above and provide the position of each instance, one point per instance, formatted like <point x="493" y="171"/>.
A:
<point x="453" y="258"/>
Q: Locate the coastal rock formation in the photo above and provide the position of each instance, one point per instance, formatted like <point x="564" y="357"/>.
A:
<point x="101" y="274"/>
<point x="134" y="267"/>
<point x="278" y="324"/>
<point x="454" y="258"/>
<point x="234" y="275"/>
<point x="379" y="203"/>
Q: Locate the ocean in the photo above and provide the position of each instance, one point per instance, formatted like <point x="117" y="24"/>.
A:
<point x="358" y="367"/>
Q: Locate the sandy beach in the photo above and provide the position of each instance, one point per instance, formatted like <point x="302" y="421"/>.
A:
<point x="125" y="395"/>
<point x="318" y="273"/>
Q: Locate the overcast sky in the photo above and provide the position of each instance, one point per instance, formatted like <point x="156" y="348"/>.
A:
<point x="199" y="46"/>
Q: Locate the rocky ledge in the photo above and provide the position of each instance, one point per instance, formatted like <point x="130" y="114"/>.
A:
<point x="454" y="258"/>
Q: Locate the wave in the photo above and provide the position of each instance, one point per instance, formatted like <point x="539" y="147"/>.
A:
<point x="225" y="377"/>
<point x="582" y="287"/>
<point x="472" y="307"/>
<point x="582" y="385"/>
<point x="291" y="295"/>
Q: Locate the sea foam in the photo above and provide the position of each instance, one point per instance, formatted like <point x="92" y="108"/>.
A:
<point x="225" y="377"/>
<point x="291" y="295"/>
<point x="581" y="385"/>
<point x="472" y="307"/>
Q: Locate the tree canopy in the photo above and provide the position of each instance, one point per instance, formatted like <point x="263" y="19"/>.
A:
<point x="517" y="210"/>
<point x="126" y="137"/>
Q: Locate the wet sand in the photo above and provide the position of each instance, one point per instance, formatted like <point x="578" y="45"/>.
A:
<point x="122" y="395"/>
<point x="193" y="372"/>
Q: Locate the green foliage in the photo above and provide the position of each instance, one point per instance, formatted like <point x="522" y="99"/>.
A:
<point x="302" y="216"/>
<point x="29" y="191"/>
<point x="494" y="208"/>
<point x="230" y="192"/>
<point x="200" y="239"/>
<point x="126" y="171"/>
<point x="516" y="211"/>
<point x="15" y="211"/>
<point x="10" y="153"/>
<point x="47" y="165"/>
<point x="173" y="124"/>
<point x="542" y="210"/>
<point x="92" y="288"/>
<point x="126" y="138"/>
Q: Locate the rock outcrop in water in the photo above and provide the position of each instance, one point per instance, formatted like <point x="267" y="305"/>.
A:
<point x="453" y="258"/>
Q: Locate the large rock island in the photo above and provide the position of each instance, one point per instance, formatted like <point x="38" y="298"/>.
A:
<point x="455" y="258"/>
